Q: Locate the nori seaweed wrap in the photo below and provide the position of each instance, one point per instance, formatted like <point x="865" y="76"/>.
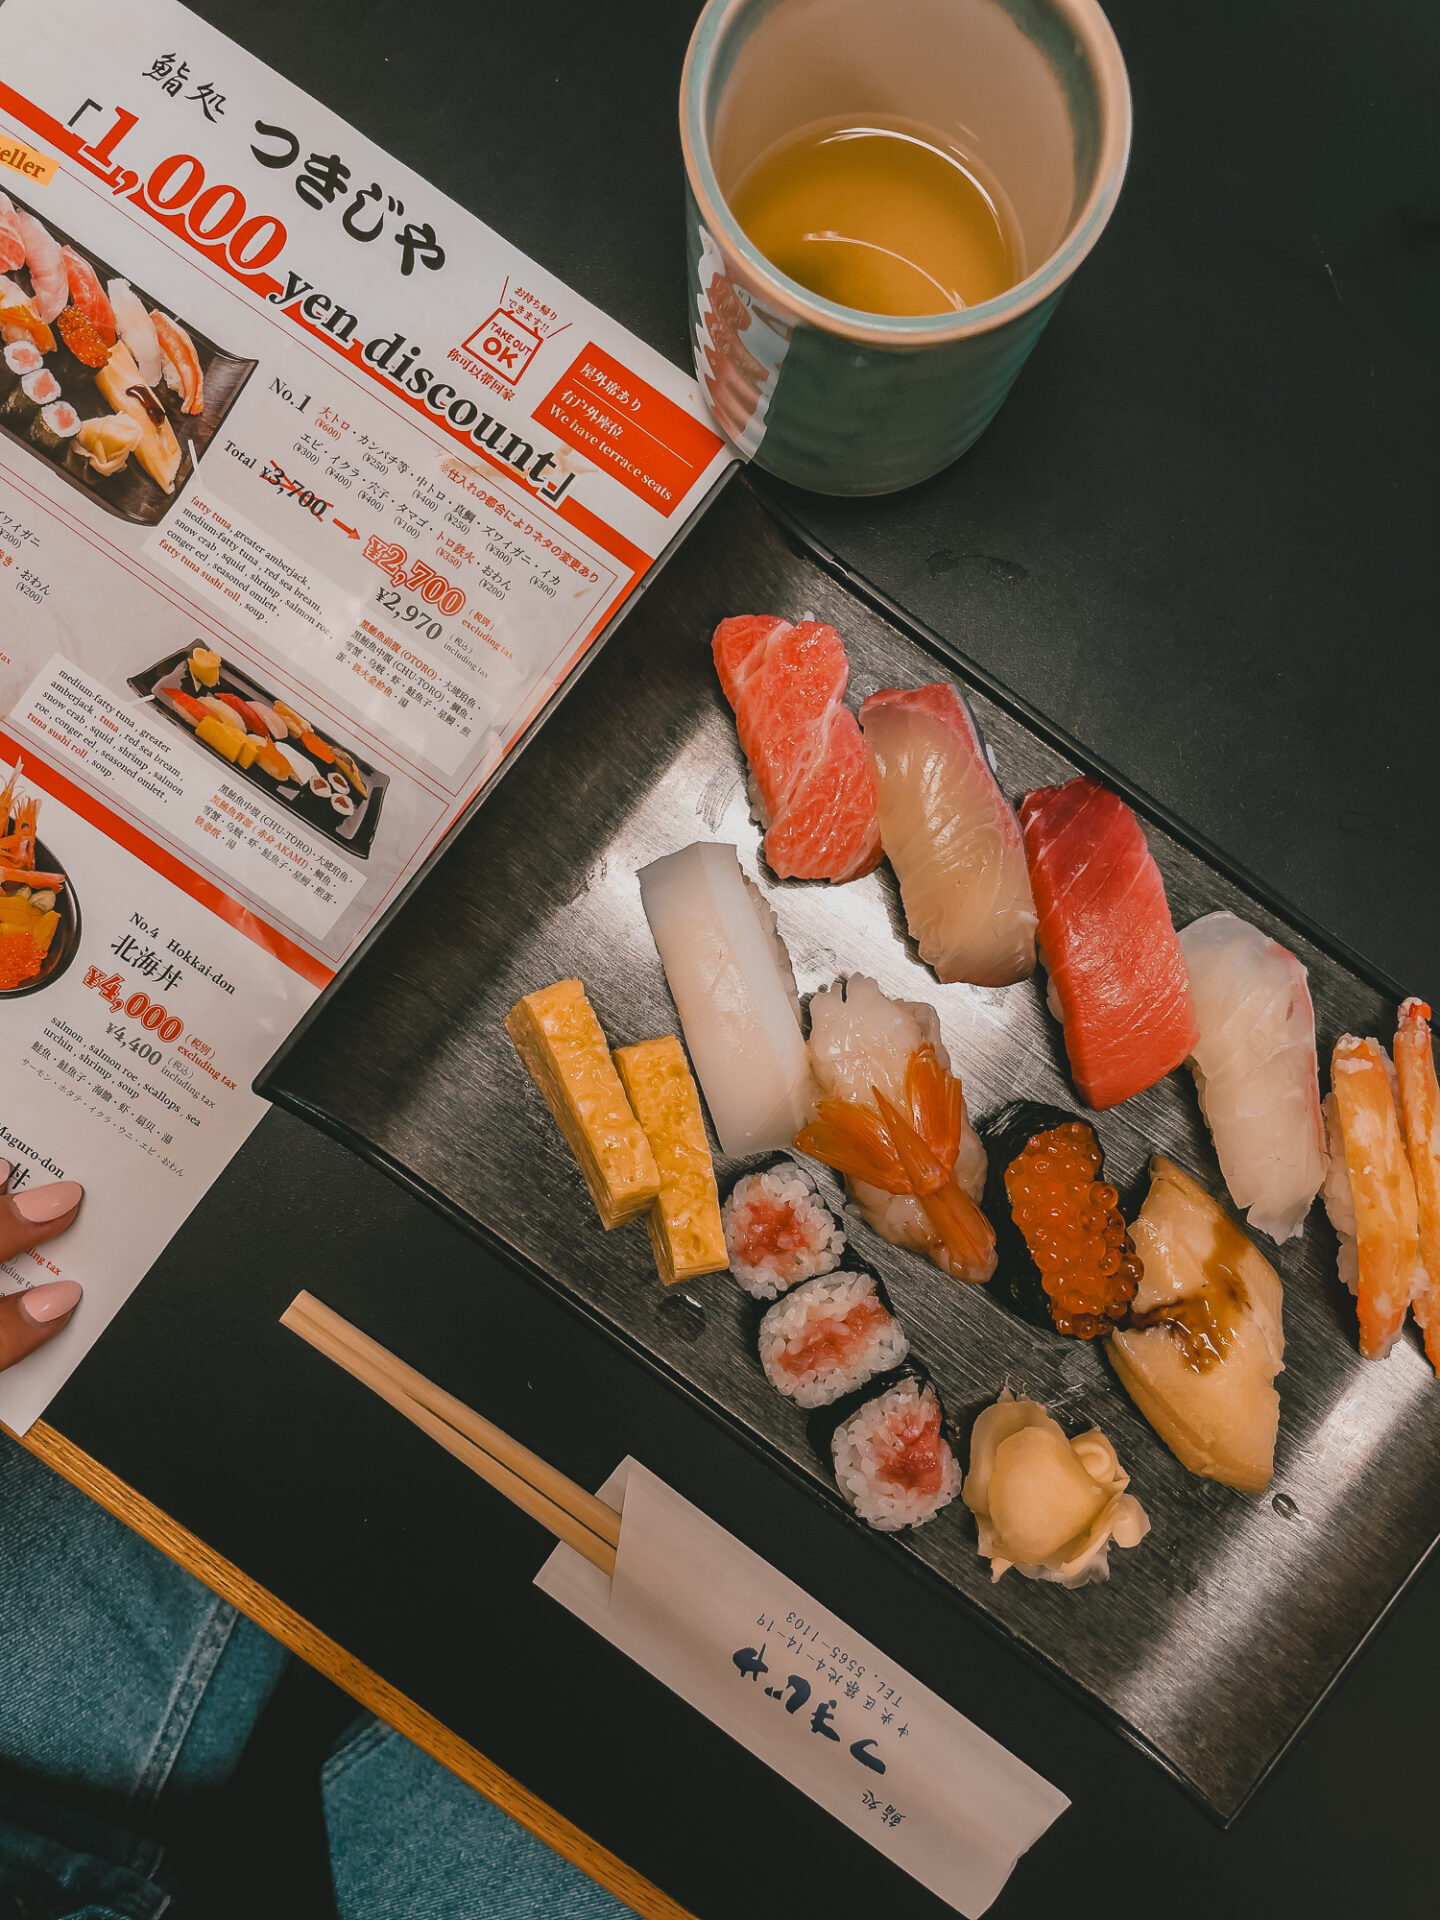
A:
<point x="891" y="1448"/>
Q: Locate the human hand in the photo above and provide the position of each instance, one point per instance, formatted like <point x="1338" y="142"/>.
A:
<point x="30" y="1318"/>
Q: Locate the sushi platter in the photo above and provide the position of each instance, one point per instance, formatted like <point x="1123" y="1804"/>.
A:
<point x="39" y="914"/>
<point x="269" y="744"/>
<point x="1188" y="1487"/>
<point x="97" y="378"/>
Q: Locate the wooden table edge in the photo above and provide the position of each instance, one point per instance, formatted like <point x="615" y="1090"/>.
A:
<point x="362" y="1683"/>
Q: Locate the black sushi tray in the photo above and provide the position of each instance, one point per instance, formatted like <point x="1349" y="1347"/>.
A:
<point x="1213" y="1642"/>
<point x="355" y="836"/>
<point x="131" y="494"/>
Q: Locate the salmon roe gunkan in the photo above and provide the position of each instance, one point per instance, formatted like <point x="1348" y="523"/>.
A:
<point x="1074" y="1229"/>
<point x="20" y="959"/>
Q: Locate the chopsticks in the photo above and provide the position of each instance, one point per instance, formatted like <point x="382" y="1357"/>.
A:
<point x="532" y="1484"/>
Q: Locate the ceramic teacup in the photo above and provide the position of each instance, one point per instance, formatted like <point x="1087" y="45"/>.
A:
<point x="845" y="402"/>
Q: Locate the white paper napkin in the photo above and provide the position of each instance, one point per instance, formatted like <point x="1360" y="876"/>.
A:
<point x="822" y="1706"/>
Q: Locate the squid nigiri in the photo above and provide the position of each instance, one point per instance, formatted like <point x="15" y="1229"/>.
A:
<point x="1420" y="1119"/>
<point x="951" y="836"/>
<point x="1370" y="1193"/>
<point x="182" y="363"/>
<point x="892" y="1119"/>
<point x="88" y="295"/>
<point x="46" y="266"/>
<point x="1255" y="1069"/>
<point x="137" y="330"/>
<point x="12" y="241"/>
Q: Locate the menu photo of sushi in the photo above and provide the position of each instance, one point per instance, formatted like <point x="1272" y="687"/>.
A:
<point x="98" y="378"/>
<point x="270" y="743"/>
<point x="39" y="914"/>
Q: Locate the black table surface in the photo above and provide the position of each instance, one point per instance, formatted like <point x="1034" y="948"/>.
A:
<point x="1201" y="536"/>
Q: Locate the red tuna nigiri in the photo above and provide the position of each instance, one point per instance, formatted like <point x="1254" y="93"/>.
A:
<point x="1106" y="937"/>
<point x="88" y="295"/>
<point x="787" y="686"/>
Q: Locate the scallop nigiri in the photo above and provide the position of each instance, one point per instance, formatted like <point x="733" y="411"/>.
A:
<point x="892" y="1119"/>
<point x="137" y="330"/>
<point x="12" y="241"/>
<point x="951" y="836"/>
<point x="182" y="363"/>
<point x="46" y="266"/>
<point x="1256" y="1070"/>
<point x="1420" y="1120"/>
<point x="1370" y="1193"/>
<point x="88" y="295"/>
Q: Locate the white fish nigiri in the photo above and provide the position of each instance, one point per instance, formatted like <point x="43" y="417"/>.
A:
<point x="46" y="266"/>
<point x="1256" y="1070"/>
<point x="951" y="836"/>
<point x="137" y="330"/>
<point x="731" y="980"/>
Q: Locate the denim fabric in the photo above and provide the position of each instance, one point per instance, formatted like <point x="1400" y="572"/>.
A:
<point x="59" y="1865"/>
<point x="120" y="1674"/>
<point x="408" y="1838"/>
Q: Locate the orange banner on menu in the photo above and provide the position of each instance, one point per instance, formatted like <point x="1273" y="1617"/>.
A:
<point x="629" y="429"/>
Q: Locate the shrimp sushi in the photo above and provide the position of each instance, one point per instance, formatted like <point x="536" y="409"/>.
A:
<point x="829" y="1337"/>
<point x="1255" y="1069"/>
<point x="20" y="321"/>
<point x="182" y="363"/>
<point x="137" y="330"/>
<point x="892" y="1455"/>
<point x="733" y="985"/>
<point x="1420" y="1119"/>
<point x="46" y="266"/>
<point x="1370" y="1193"/>
<point x="892" y="1119"/>
<point x="87" y="294"/>
<point x="815" y="793"/>
<point x="1117" y="975"/>
<point x="12" y="241"/>
<point x="778" y="1230"/>
<point x="951" y="836"/>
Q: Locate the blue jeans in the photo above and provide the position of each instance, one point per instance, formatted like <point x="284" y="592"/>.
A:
<point x="123" y="1680"/>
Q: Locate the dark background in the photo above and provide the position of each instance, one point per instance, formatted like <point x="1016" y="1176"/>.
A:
<point x="1200" y="536"/>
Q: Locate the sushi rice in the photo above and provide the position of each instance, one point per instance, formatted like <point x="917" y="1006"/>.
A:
<point x="778" y="1231"/>
<point x="863" y="1445"/>
<point x="829" y="1337"/>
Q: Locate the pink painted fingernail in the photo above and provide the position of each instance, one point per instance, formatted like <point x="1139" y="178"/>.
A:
<point x="41" y="1205"/>
<point x="7" y="1167"/>
<point x="52" y="1301"/>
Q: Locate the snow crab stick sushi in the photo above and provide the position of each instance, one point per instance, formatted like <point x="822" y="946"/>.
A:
<point x="1420" y="1118"/>
<point x="807" y="761"/>
<point x="829" y="1337"/>
<point x="951" y="836"/>
<point x="1370" y="1193"/>
<point x="892" y="1455"/>
<point x="1117" y="975"/>
<point x="778" y="1230"/>
<point x="892" y="1119"/>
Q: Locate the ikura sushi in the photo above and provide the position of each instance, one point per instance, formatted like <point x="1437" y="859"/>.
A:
<point x="778" y="1230"/>
<point x="1117" y="975"/>
<point x="951" y="836"/>
<point x="1255" y="1069"/>
<point x="46" y="266"/>
<point x="1205" y="1339"/>
<point x="814" y="788"/>
<point x="1067" y="1261"/>
<point x="893" y="1459"/>
<point x="892" y="1119"/>
<point x="1420" y="1121"/>
<point x="25" y="401"/>
<point x="734" y="988"/>
<point x="87" y="297"/>
<point x="55" y="428"/>
<point x="1046" y="1505"/>
<point x="829" y="1337"/>
<point x="1370" y="1193"/>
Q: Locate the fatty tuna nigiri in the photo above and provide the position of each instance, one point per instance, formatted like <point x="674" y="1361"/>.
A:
<point x="1420" y="1119"/>
<point x="12" y="241"/>
<point x="807" y="759"/>
<point x="951" y="836"/>
<point x="88" y="295"/>
<point x="1105" y="935"/>
<point x="1370" y="1193"/>
<point x="46" y="265"/>
<point x="1255" y="1069"/>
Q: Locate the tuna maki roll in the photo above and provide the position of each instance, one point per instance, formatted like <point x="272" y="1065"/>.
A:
<point x="892" y="1455"/>
<point x="24" y="402"/>
<point x="829" y="1337"/>
<point x="19" y="358"/>
<point x="341" y="806"/>
<point x="1067" y="1261"/>
<point x="54" y="428"/>
<point x="779" y="1231"/>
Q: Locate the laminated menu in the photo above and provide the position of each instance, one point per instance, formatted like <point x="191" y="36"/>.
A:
<point x="314" y="494"/>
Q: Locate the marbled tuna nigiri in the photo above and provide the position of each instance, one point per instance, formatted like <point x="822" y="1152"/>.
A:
<point x="1117" y="975"/>
<point x="951" y="836"/>
<point x="807" y="760"/>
